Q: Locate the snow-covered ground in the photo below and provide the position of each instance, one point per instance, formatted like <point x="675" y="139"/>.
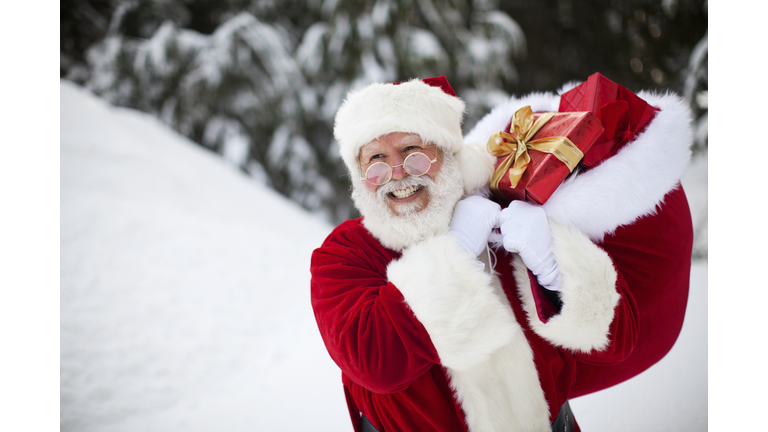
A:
<point x="671" y="396"/>
<point x="185" y="297"/>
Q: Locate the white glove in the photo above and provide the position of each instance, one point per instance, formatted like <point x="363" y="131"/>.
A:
<point x="473" y="219"/>
<point x="525" y="231"/>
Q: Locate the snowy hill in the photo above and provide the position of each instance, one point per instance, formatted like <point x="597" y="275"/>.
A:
<point x="185" y="297"/>
<point x="184" y="287"/>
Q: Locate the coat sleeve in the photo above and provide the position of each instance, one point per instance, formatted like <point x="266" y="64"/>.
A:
<point x="385" y="328"/>
<point x="598" y="318"/>
<point x="367" y="328"/>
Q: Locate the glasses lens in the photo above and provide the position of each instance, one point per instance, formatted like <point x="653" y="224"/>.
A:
<point x="417" y="164"/>
<point x="378" y="173"/>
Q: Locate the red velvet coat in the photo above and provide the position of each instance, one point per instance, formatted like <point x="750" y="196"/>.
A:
<point x="406" y="364"/>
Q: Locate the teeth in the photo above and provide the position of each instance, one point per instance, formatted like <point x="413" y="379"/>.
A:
<point x="405" y="193"/>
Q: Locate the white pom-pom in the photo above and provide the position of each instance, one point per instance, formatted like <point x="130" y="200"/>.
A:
<point x="476" y="166"/>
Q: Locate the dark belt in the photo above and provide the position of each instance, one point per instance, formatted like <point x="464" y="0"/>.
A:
<point x="366" y="426"/>
<point x="563" y="423"/>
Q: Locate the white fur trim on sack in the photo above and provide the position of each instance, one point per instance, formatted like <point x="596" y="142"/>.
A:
<point x="412" y="107"/>
<point x="623" y="188"/>
<point x="632" y="183"/>
<point x="588" y="293"/>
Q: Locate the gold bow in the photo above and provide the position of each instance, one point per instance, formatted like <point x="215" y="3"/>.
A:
<point x="517" y="144"/>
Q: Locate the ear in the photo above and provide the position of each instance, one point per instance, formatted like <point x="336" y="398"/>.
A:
<point x="475" y="165"/>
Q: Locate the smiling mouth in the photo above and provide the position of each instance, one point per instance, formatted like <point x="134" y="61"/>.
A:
<point x="405" y="193"/>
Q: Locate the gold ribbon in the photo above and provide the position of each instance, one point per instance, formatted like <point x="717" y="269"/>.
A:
<point x="518" y="143"/>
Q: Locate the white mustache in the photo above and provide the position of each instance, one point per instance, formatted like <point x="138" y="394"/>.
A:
<point x="408" y="181"/>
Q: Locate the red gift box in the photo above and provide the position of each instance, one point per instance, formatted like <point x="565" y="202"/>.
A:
<point x="554" y="144"/>
<point x="622" y="113"/>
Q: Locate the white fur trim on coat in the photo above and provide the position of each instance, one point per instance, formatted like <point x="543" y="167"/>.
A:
<point x="588" y="293"/>
<point x="411" y="107"/>
<point x="453" y="298"/>
<point x="503" y="393"/>
<point x="472" y="326"/>
<point x="623" y="188"/>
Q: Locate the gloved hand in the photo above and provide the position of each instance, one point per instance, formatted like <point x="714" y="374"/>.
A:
<point x="473" y="219"/>
<point x="525" y="231"/>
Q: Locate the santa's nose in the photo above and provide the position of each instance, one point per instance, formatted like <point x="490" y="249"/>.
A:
<point x="398" y="172"/>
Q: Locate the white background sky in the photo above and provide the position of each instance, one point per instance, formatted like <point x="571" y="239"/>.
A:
<point x="29" y="222"/>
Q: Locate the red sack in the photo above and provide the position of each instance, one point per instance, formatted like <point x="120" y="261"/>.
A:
<point x="622" y="113"/>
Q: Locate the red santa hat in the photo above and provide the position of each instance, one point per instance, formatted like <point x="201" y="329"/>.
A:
<point x="428" y="108"/>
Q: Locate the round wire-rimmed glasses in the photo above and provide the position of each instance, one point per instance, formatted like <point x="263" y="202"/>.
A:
<point x="416" y="164"/>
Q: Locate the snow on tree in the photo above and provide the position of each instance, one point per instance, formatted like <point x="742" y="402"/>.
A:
<point x="695" y="91"/>
<point x="263" y="88"/>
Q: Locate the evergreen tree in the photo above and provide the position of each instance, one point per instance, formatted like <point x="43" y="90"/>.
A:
<point x="263" y="87"/>
<point x="260" y="81"/>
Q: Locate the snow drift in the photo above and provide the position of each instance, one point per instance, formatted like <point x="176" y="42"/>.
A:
<point x="184" y="287"/>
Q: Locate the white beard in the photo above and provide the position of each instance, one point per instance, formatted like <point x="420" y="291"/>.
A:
<point x="413" y="224"/>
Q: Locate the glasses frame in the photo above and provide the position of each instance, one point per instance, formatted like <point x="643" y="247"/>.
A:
<point x="392" y="168"/>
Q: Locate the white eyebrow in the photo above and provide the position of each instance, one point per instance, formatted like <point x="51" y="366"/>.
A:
<point x="410" y="139"/>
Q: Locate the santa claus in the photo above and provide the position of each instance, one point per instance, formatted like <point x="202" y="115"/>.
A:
<point x="436" y="329"/>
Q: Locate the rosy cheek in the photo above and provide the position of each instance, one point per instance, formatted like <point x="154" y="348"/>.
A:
<point x="370" y="186"/>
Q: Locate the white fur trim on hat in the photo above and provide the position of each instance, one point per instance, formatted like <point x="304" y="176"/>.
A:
<point x="410" y="107"/>
<point x="476" y="166"/>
